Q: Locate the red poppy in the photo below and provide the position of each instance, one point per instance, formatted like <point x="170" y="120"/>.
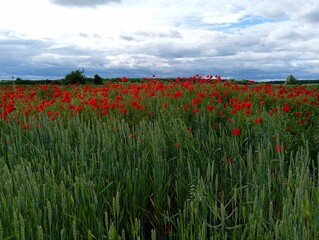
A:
<point x="167" y="230"/>
<point x="229" y="160"/>
<point x="278" y="148"/>
<point x="196" y="101"/>
<point x="286" y="108"/>
<point x="258" y="120"/>
<point x="236" y="131"/>
<point x="177" y="94"/>
<point x="200" y="94"/>
<point x="210" y="108"/>
<point x="286" y="183"/>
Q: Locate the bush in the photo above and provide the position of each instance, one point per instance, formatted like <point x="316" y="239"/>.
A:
<point x="75" y="77"/>
<point x="291" y="80"/>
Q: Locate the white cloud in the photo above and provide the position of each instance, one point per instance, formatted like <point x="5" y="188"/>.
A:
<point x="245" y="39"/>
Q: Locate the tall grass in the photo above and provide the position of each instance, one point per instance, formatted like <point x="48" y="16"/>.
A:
<point x="168" y="174"/>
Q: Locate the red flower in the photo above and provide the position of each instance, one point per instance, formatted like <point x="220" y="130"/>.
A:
<point x="25" y="126"/>
<point x="124" y="79"/>
<point x="118" y="98"/>
<point x="167" y="230"/>
<point x="196" y="101"/>
<point x="286" y="108"/>
<point x="177" y="94"/>
<point x="236" y="131"/>
<point x="278" y="148"/>
<point x="200" y="94"/>
<point x="210" y="108"/>
<point x="258" y="120"/>
<point x="308" y="113"/>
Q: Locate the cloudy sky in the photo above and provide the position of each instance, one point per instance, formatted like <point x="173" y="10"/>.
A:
<point x="248" y="39"/>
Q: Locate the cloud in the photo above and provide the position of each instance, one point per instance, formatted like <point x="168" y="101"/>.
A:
<point x="311" y="16"/>
<point x="247" y="39"/>
<point x="82" y="3"/>
<point x="153" y="35"/>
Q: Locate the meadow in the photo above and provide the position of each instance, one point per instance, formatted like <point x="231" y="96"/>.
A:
<point x="190" y="158"/>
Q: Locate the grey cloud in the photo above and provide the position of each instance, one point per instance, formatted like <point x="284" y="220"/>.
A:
<point x="34" y="59"/>
<point x="127" y="37"/>
<point x="86" y="35"/>
<point x="311" y="16"/>
<point x="169" y="34"/>
<point x="82" y="3"/>
<point x="145" y="35"/>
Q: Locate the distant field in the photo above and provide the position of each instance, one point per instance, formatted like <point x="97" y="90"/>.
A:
<point x="105" y="80"/>
<point x="151" y="159"/>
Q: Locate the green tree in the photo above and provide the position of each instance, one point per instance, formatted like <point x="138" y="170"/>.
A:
<point x="291" y="80"/>
<point x="75" y="77"/>
<point x="97" y="79"/>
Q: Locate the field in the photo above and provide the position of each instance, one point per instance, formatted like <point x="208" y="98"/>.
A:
<point x="192" y="158"/>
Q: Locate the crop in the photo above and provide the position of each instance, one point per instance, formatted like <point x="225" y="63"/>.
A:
<point x="193" y="158"/>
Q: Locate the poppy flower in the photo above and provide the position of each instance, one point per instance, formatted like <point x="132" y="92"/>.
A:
<point x="286" y="108"/>
<point x="258" y="120"/>
<point x="229" y="160"/>
<point x="278" y="148"/>
<point x="196" y="101"/>
<point x="236" y="131"/>
<point x="167" y="230"/>
<point x="210" y="108"/>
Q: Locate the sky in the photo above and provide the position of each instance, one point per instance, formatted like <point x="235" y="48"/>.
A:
<point x="248" y="39"/>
